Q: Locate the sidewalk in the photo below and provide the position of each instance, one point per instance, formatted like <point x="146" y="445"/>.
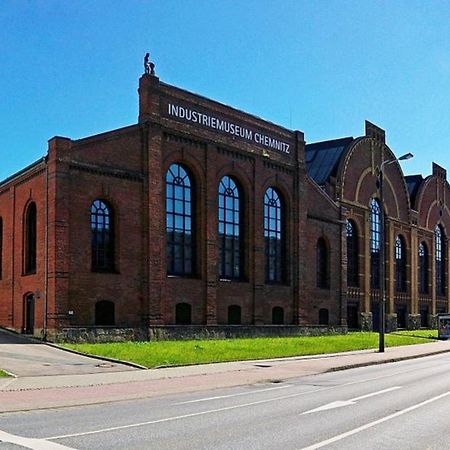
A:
<point x="28" y="393"/>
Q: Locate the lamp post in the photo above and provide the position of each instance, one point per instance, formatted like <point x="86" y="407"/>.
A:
<point x="382" y="306"/>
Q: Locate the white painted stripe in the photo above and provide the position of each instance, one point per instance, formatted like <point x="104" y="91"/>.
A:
<point x="235" y="395"/>
<point x="394" y="388"/>
<point x="34" y="444"/>
<point x="374" y="423"/>
<point x="260" y="402"/>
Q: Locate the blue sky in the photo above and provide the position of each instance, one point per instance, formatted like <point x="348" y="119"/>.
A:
<point x="71" y="67"/>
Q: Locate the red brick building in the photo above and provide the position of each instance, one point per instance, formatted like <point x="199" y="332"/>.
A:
<point x="201" y="216"/>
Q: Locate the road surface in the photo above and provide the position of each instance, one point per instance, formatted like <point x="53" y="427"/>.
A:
<point x="403" y="405"/>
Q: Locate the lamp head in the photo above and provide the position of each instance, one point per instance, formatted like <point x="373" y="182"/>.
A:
<point x="405" y="156"/>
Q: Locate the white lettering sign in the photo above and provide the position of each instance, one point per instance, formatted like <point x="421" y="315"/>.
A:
<point x="206" y="120"/>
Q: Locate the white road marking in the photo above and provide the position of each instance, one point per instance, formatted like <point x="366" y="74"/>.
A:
<point x="352" y="401"/>
<point x="34" y="444"/>
<point x="235" y="395"/>
<point x="374" y="423"/>
<point x="260" y="402"/>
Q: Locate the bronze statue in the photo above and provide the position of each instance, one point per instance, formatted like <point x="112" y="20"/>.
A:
<point x="147" y="63"/>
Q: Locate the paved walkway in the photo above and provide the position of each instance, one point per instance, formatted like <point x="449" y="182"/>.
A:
<point x="34" y="392"/>
<point x="28" y="357"/>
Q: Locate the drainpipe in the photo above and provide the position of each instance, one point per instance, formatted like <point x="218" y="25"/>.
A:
<point x="46" y="251"/>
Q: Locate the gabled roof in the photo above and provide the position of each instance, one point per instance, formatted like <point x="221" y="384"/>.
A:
<point x="413" y="183"/>
<point x="322" y="158"/>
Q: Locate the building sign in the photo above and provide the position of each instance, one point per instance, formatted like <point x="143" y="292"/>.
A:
<point x="209" y="121"/>
<point x="444" y="326"/>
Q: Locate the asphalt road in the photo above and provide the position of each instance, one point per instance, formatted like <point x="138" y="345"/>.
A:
<point x="403" y="405"/>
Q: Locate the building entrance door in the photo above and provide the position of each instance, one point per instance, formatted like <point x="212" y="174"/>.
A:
<point x="29" y="314"/>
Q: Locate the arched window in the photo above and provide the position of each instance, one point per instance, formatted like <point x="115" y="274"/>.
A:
<point x="273" y="236"/>
<point x="277" y="315"/>
<point x="352" y="254"/>
<point x="102" y="233"/>
<point x="1" y="247"/>
<point x="423" y="268"/>
<point x="234" y="315"/>
<point x="183" y="314"/>
<point x="400" y="264"/>
<point x="321" y="263"/>
<point x="179" y="221"/>
<point x="104" y="313"/>
<point x="323" y="316"/>
<point x="30" y="238"/>
<point x="230" y="252"/>
<point x="375" y="243"/>
<point x="440" y="260"/>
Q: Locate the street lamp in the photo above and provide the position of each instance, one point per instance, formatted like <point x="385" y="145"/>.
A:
<point x="382" y="305"/>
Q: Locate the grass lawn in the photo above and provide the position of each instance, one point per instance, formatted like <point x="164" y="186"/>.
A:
<point x="3" y="374"/>
<point x="179" y="353"/>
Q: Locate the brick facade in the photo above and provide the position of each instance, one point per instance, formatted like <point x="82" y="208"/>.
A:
<point x="126" y="169"/>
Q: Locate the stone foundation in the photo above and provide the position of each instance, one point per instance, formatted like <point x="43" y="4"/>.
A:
<point x="432" y="321"/>
<point x="413" y="321"/>
<point x="366" y="321"/>
<point x="391" y="322"/>
<point x="174" y="332"/>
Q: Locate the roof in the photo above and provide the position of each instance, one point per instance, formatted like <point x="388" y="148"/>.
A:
<point x="22" y="171"/>
<point x="322" y="158"/>
<point x="413" y="183"/>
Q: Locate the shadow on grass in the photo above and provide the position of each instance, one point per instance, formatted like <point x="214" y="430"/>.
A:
<point x="415" y="336"/>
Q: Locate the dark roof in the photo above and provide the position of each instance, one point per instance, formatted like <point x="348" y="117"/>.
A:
<point x="413" y="183"/>
<point x="22" y="171"/>
<point x="322" y="158"/>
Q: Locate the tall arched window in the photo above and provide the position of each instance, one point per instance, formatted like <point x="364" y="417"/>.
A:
<point x="400" y="264"/>
<point x="375" y="243"/>
<point x="1" y="247"/>
<point x="352" y="254"/>
<point x="423" y="268"/>
<point x="273" y="236"/>
<point x="230" y="252"/>
<point x="179" y="221"/>
<point x="102" y="233"/>
<point x="321" y="263"/>
<point x="30" y="238"/>
<point x="440" y="260"/>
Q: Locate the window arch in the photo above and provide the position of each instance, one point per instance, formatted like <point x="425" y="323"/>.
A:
<point x="400" y="264"/>
<point x="352" y="254"/>
<point x="179" y="227"/>
<point x="440" y="260"/>
<point x="375" y="243"/>
<point x="321" y="263"/>
<point x="234" y="315"/>
<point x="104" y="313"/>
<point x="323" y="316"/>
<point x="230" y="233"/>
<point x="102" y="232"/>
<point x="183" y="314"/>
<point x="30" y="238"/>
<point x="277" y="315"/>
<point x="273" y="236"/>
<point x="423" y="268"/>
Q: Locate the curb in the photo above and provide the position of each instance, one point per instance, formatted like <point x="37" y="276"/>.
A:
<point x="385" y="361"/>
<point x="101" y="358"/>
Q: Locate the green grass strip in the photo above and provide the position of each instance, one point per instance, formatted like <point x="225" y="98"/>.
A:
<point x="178" y="353"/>
<point x="3" y="374"/>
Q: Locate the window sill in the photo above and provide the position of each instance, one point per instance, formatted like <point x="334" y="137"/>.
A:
<point x="186" y="277"/>
<point x="110" y="271"/>
<point x="26" y="274"/>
